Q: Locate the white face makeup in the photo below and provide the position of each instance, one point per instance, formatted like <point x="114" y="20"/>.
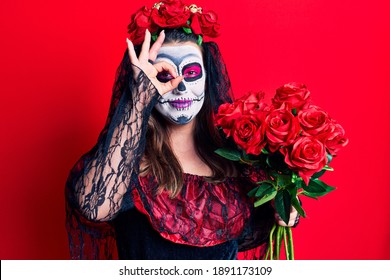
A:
<point x="183" y="103"/>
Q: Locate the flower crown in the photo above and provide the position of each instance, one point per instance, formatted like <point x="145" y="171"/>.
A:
<point x="173" y="14"/>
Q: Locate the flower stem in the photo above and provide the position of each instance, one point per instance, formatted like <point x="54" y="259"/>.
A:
<point x="278" y="241"/>
<point x="267" y="254"/>
<point x="286" y="248"/>
<point x="271" y="242"/>
<point x="290" y="243"/>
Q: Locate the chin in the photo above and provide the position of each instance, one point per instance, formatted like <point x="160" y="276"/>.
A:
<point x="182" y="120"/>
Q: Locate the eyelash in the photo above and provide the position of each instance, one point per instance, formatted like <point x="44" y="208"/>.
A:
<point x="191" y="73"/>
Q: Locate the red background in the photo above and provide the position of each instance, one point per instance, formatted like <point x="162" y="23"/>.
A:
<point x="58" y="61"/>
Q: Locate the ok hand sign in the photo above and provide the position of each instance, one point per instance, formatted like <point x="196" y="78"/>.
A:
<point x="144" y="63"/>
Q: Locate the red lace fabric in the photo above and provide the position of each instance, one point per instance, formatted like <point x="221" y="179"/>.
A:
<point x="203" y="214"/>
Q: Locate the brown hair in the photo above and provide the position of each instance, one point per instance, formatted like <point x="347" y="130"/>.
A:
<point x="159" y="159"/>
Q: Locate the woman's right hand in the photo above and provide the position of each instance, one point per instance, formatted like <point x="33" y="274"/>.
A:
<point x="148" y="55"/>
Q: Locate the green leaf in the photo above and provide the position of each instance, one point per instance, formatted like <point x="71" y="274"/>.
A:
<point x="154" y="37"/>
<point x="317" y="188"/>
<point x="264" y="151"/>
<point x="283" y="180"/>
<point x="250" y="159"/>
<point x="283" y="205"/>
<point x="297" y="205"/>
<point x="252" y="192"/>
<point x="233" y="155"/>
<point x="327" y="168"/>
<point x="187" y="30"/>
<point x="266" y="198"/>
<point x="326" y="186"/>
<point x="292" y="189"/>
<point x="294" y="111"/>
<point x="200" y="40"/>
<point x="305" y="193"/>
<point x="318" y="174"/>
<point x="264" y="189"/>
<point x="330" y="157"/>
<point x="245" y="156"/>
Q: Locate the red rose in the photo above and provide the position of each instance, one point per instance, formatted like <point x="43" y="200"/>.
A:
<point x="209" y="25"/>
<point x="307" y="155"/>
<point x="140" y="21"/>
<point x="296" y="96"/>
<point x="171" y="14"/>
<point x="172" y="3"/>
<point x="195" y="25"/>
<point x="314" y="121"/>
<point x="248" y="133"/>
<point x="335" y="139"/>
<point x="227" y="114"/>
<point x="252" y="102"/>
<point x="281" y="128"/>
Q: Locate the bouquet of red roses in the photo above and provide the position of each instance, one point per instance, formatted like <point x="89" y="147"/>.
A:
<point x="292" y="140"/>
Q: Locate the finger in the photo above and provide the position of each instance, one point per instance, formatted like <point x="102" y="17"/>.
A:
<point x="294" y="218"/>
<point x="132" y="54"/>
<point x="165" y="66"/>
<point x="156" y="46"/>
<point x="291" y="221"/>
<point x="144" y="55"/>
<point x="280" y="221"/>
<point x="172" y="84"/>
<point x="169" y="86"/>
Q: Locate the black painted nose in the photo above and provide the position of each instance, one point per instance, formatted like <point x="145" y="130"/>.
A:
<point x="181" y="86"/>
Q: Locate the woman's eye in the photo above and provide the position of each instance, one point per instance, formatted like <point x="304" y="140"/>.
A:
<point x="164" y="77"/>
<point x="192" y="71"/>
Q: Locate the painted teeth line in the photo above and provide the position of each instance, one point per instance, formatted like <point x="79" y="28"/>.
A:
<point x="180" y="99"/>
<point x="183" y="109"/>
<point x="163" y="101"/>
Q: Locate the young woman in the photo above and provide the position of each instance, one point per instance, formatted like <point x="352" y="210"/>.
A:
<point x="153" y="187"/>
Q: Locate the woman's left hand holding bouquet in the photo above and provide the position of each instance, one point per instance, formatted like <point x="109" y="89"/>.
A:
<point x="293" y="221"/>
<point x="145" y="63"/>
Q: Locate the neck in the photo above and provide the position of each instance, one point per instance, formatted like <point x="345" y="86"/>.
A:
<point x="182" y="136"/>
<point x="183" y="146"/>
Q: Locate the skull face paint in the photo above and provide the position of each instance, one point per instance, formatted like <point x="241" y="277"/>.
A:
<point x="183" y="103"/>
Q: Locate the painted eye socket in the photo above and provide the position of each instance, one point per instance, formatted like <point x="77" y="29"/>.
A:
<point x="192" y="72"/>
<point x="164" y="76"/>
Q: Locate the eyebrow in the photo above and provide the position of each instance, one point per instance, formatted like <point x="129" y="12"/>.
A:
<point x="177" y="60"/>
